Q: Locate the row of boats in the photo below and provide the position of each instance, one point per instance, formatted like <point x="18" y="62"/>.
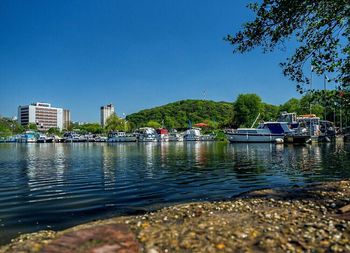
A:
<point x="148" y="134"/>
<point x="288" y="128"/>
<point x="145" y="134"/>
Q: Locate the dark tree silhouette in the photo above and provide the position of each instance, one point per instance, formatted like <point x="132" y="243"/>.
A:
<point x="322" y="31"/>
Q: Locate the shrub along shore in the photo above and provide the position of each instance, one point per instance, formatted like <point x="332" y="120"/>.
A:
<point x="313" y="218"/>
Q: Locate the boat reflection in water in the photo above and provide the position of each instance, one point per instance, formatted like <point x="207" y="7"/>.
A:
<point x="64" y="184"/>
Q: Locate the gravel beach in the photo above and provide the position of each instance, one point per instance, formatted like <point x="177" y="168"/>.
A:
<point x="313" y="218"/>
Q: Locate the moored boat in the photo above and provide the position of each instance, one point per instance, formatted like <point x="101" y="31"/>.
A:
<point x="174" y="136"/>
<point x="41" y="139"/>
<point x="192" y="134"/>
<point x="265" y="132"/>
<point x="73" y="137"/>
<point x="28" y="137"/>
<point x="208" y="137"/>
<point x="121" y="137"/>
<point x="147" y="134"/>
<point x="101" y="138"/>
<point x="162" y="134"/>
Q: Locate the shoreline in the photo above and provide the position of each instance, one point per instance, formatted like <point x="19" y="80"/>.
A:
<point x="295" y="219"/>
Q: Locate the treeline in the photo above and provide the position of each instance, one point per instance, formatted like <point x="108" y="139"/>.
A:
<point x="179" y="114"/>
<point x="331" y="105"/>
<point x="9" y="127"/>
<point x="247" y="107"/>
<point x="242" y="112"/>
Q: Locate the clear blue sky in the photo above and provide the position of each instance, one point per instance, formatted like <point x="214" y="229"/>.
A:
<point x="135" y="54"/>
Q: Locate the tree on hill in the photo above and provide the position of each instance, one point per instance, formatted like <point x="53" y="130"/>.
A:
<point x="114" y="123"/>
<point x="306" y="105"/>
<point x="245" y="110"/>
<point x="292" y="105"/>
<point x="270" y="112"/>
<point x="178" y="114"/>
<point x="93" y="128"/>
<point x="309" y="104"/>
<point x="321" y="29"/>
<point x="153" y="124"/>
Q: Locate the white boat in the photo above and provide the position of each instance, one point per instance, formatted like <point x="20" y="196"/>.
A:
<point x="175" y="137"/>
<point x="89" y="137"/>
<point x="162" y="134"/>
<point x="121" y="137"/>
<point x="208" y="137"/>
<point x="42" y="138"/>
<point x="101" y="139"/>
<point x="147" y="134"/>
<point x="192" y="134"/>
<point x="73" y="137"/>
<point x="27" y="137"/>
<point x="56" y="138"/>
<point x="265" y="132"/>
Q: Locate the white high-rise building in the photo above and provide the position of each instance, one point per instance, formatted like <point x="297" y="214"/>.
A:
<point x="106" y="112"/>
<point x="41" y="114"/>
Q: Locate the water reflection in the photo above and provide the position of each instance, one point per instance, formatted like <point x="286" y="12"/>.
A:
<point x="59" y="185"/>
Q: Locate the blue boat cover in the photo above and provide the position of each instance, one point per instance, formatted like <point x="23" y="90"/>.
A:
<point x="275" y="128"/>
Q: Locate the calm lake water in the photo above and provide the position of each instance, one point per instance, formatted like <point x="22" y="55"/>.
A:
<point x="54" y="186"/>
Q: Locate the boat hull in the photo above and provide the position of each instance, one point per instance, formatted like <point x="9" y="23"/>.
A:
<point x="147" y="140"/>
<point x="122" y="139"/>
<point x="236" y="137"/>
<point x="297" y="139"/>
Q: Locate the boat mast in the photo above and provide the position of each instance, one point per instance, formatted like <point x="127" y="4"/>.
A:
<point x="310" y="89"/>
<point x="255" y="120"/>
<point x="324" y="96"/>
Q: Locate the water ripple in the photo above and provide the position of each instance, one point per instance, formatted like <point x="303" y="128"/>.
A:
<point x="60" y="185"/>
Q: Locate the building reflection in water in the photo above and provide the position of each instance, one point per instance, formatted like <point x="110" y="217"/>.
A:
<point x="111" y="155"/>
<point x="46" y="166"/>
<point x="67" y="183"/>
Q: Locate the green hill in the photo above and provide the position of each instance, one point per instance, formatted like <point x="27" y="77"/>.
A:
<point x="178" y="114"/>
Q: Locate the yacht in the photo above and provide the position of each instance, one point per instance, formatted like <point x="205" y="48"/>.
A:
<point x="162" y="134"/>
<point x="174" y="136"/>
<point x="73" y="137"/>
<point x="56" y="138"/>
<point x="208" y="137"/>
<point x="89" y="137"/>
<point x="147" y="134"/>
<point x="121" y="137"/>
<point x="99" y="138"/>
<point x="192" y="134"/>
<point x="265" y="132"/>
<point x="27" y="137"/>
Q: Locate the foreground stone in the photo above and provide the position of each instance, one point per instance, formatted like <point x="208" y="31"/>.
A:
<point x="100" y="239"/>
<point x="310" y="219"/>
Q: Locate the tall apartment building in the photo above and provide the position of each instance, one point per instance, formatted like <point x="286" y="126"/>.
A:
<point x="66" y="118"/>
<point x="41" y="114"/>
<point x="106" y="112"/>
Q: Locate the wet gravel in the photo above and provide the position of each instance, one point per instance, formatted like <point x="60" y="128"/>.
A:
<point x="310" y="219"/>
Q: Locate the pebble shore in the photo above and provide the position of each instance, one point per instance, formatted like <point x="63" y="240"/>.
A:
<point x="313" y="218"/>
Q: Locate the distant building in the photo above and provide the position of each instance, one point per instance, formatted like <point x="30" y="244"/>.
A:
<point x="106" y="112"/>
<point x="80" y="123"/>
<point x="66" y="118"/>
<point x="41" y="114"/>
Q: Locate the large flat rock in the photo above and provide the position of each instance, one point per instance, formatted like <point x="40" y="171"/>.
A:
<point x="99" y="239"/>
